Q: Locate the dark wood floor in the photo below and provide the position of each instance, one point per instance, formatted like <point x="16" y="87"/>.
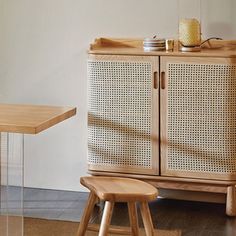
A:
<point x="192" y="218"/>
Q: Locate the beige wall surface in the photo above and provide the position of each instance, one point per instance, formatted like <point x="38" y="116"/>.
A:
<point x="43" y="47"/>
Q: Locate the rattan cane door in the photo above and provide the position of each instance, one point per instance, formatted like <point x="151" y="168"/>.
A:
<point x="123" y="114"/>
<point x="198" y="117"/>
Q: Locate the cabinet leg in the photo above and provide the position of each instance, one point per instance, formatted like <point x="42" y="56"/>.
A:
<point x="231" y="201"/>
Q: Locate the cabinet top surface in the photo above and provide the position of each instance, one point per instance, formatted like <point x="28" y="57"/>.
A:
<point x="111" y="46"/>
<point x="31" y="119"/>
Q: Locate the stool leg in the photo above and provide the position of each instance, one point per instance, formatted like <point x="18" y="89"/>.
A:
<point x="133" y="218"/>
<point x="86" y="214"/>
<point x="147" y="219"/>
<point x="106" y="218"/>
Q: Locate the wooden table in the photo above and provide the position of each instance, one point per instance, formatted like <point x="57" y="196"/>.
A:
<point x="15" y="121"/>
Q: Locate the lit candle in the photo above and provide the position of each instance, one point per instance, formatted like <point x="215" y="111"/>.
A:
<point x="189" y="32"/>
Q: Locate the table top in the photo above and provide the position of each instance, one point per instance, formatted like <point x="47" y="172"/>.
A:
<point x="31" y="119"/>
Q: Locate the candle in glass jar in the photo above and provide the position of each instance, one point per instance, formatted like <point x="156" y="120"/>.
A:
<point x="189" y="32"/>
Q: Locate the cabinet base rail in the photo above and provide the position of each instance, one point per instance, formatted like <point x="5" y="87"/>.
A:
<point x="187" y="184"/>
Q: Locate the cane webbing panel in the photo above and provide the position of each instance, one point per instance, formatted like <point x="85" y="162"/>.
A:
<point x="119" y="113"/>
<point x="202" y="118"/>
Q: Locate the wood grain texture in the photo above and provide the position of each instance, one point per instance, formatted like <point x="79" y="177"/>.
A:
<point x="106" y="218"/>
<point x="122" y="230"/>
<point x="119" y="189"/>
<point x="165" y="178"/>
<point x="87" y="214"/>
<point x="133" y="218"/>
<point x="116" y="46"/>
<point x="147" y="219"/>
<point x="192" y="218"/>
<point x="43" y="227"/>
<point x="231" y="201"/>
<point x="31" y="119"/>
<point x="117" y="230"/>
<point x="190" y="187"/>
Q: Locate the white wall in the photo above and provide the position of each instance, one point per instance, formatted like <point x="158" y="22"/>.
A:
<point x="43" y="47"/>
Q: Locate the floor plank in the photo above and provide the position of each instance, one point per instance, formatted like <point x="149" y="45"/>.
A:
<point x="192" y="218"/>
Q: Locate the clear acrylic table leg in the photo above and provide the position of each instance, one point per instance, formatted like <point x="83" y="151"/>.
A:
<point x="12" y="182"/>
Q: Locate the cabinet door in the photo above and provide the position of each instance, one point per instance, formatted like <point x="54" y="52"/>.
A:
<point x="123" y="114"/>
<point x="198" y="117"/>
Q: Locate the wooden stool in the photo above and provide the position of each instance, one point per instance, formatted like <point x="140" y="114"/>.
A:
<point x="114" y="189"/>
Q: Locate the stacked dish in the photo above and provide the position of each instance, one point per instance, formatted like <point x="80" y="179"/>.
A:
<point x="154" y="44"/>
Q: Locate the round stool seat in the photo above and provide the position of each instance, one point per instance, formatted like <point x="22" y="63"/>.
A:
<point x="119" y="189"/>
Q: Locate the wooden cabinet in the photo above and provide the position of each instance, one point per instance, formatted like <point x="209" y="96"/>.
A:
<point x="168" y="118"/>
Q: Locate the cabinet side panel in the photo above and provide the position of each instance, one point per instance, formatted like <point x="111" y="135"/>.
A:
<point x="201" y="118"/>
<point x="119" y="119"/>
